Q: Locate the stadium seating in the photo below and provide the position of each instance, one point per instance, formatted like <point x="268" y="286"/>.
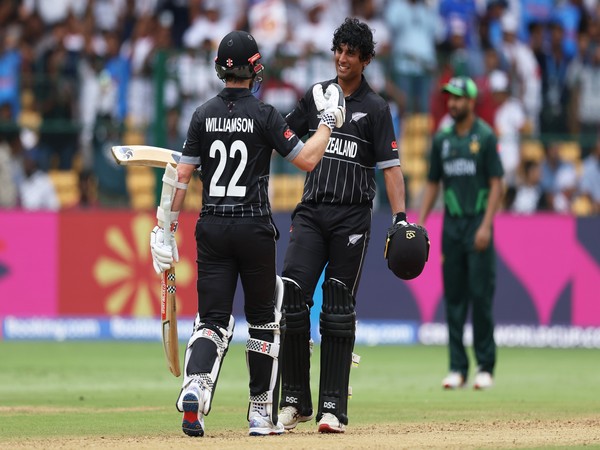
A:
<point x="66" y="183"/>
<point x="285" y="191"/>
<point x="141" y="183"/>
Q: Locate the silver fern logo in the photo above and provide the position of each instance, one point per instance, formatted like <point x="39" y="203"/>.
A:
<point x="357" y="116"/>
<point x="353" y="239"/>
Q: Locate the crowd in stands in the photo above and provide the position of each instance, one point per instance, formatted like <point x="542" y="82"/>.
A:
<point x="78" y="76"/>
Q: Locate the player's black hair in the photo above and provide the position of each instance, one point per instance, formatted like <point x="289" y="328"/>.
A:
<point x="357" y="36"/>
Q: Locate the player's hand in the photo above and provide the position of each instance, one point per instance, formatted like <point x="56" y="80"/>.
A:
<point x="483" y="236"/>
<point x="333" y="105"/>
<point x="164" y="254"/>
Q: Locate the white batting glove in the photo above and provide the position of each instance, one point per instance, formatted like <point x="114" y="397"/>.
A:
<point x="164" y="254"/>
<point x="319" y="97"/>
<point x="333" y="103"/>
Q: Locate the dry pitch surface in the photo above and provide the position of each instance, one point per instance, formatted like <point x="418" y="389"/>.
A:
<point x="469" y="435"/>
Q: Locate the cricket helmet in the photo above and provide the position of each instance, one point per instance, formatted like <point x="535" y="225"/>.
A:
<point x="407" y="250"/>
<point x="238" y="55"/>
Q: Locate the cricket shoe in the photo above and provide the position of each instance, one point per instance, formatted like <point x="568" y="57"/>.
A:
<point x="260" y="425"/>
<point x="331" y="424"/>
<point x="483" y="380"/>
<point x="290" y="417"/>
<point x="453" y="380"/>
<point x="193" y="404"/>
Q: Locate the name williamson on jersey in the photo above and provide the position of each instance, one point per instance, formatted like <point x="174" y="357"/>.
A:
<point x="229" y="125"/>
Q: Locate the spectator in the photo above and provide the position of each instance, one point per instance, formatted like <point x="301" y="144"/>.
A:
<point x="463" y="11"/>
<point x="463" y="61"/>
<point x="53" y="12"/>
<point x="528" y="196"/>
<point x="490" y="29"/>
<point x="36" y="190"/>
<point x="589" y="185"/>
<point x="559" y="180"/>
<point x="509" y="123"/>
<point x="555" y="92"/>
<point x="138" y="49"/>
<point x="57" y="99"/>
<point x="8" y="193"/>
<point x="572" y="15"/>
<point x="268" y="22"/>
<point x="207" y="26"/>
<point x="312" y="35"/>
<point x="485" y="108"/>
<point x="582" y="78"/>
<point x="415" y="28"/>
<point x="10" y="68"/>
<point x="9" y="133"/>
<point x="523" y="68"/>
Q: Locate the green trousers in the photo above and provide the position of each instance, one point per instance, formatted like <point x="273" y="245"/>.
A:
<point x="469" y="282"/>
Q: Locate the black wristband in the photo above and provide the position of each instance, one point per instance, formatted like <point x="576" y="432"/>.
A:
<point x="398" y="217"/>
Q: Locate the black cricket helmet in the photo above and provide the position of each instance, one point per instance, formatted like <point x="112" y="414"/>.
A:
<point x="407" y="250"/>
<point x="238" y="55"/>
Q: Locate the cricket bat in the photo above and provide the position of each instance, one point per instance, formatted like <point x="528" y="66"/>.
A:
<point x="168" y="315"/>
<point x="168" y="306"/>
<point x="144" y="155"/>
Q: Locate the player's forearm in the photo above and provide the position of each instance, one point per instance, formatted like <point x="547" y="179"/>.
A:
<point x="184" y="175"/>
<point x="494" y="199"/>
<point x="431" y="192"/>
<point x="394" y="185"/>
<point x="313" y="149"/>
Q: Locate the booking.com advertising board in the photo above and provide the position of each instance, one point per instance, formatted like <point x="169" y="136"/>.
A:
<point x="88" y="275"/>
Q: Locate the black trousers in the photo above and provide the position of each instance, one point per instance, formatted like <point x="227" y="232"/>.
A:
<point x="232" y="247"/>
<point x="332" y="235"/>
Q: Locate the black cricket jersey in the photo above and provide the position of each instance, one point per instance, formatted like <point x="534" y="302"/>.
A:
<point x="231" y="137"/>
<point x="346" y="174"/>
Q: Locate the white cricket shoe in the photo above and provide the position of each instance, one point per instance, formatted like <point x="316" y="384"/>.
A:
<point x="453" y="380"/>
<point x="260" y="425"/>
<point x="331" y="424"/>
<point x="290" y="417"/>
<point x="483" y="380"/>
<point x="193" y="404"/>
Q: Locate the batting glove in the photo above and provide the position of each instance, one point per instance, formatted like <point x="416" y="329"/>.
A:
<point x="331" y="104"/>
<point x="164" y="254"/>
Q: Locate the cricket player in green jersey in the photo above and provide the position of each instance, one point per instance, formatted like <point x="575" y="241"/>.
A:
<point x="464" y="158"/>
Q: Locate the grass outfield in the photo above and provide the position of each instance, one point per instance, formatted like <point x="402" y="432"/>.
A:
<point x="120" y="390"/>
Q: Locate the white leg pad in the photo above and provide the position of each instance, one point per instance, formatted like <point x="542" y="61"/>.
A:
<point x="207" y="380"/>
<point x="268" y="348"/>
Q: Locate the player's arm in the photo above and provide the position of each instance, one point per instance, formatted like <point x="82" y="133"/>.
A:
<point x="332" y="106"/>
<point x="432" y="187"/>
<point x="431" y="192"/>
<point x="313" y="149"/>
<point x="184" y="175"/>
<point x="394" y="185"/>
<point x="484" y="232"/>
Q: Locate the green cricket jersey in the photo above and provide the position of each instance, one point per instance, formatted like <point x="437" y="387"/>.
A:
<point x="465" y="164"/>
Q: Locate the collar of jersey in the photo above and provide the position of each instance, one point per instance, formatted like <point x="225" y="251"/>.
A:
<point x="358" y="94"/>
<point x="229" y="92"/>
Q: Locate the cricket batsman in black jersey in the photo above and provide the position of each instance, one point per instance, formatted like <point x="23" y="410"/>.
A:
<point x="231" y="139"/>
<point x="331" y="228"/>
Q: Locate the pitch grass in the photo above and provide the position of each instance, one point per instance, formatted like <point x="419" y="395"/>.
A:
<point x="124" y="389"/>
